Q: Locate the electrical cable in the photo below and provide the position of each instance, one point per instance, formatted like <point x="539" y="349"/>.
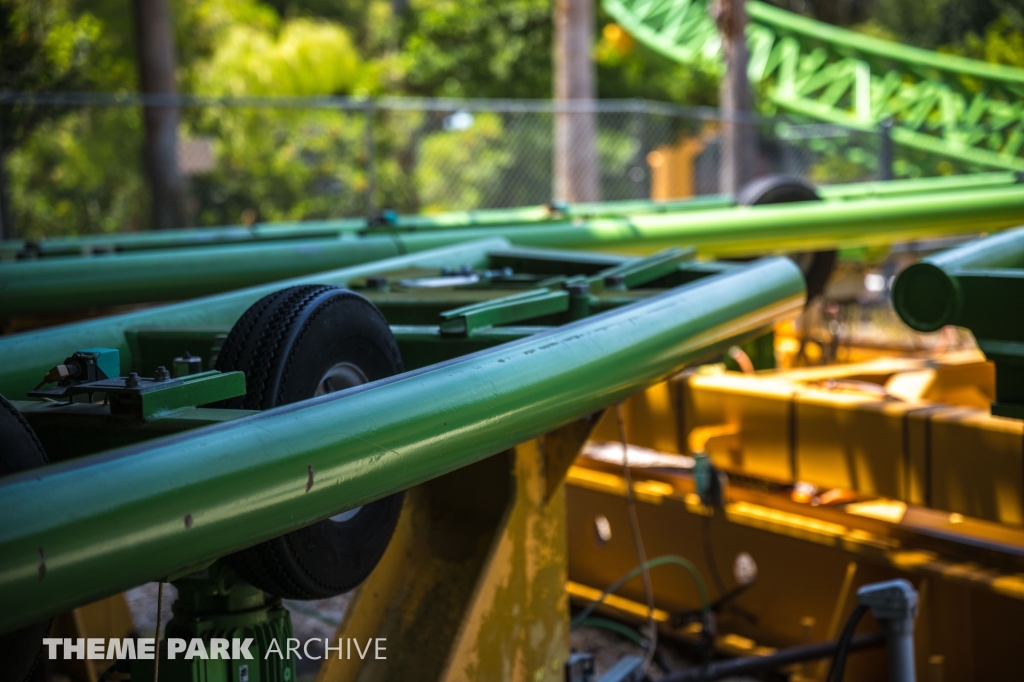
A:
<point x="709" y="557"/>
<point x="638" y="541"/>
<point x="838" y="666"/>
<point x="311" y="612"/>
<point x="667" y="559"/>
<point x="614" y="626"/>
<point x="159" y="616"/>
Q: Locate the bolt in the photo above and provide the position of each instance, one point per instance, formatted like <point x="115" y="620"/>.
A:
<point x="132" y="381"/>
<point x="161" y="374"/>
<point x="578" y="289"/>
<point x="376" y="282"/>
<point x="614" y="280"/>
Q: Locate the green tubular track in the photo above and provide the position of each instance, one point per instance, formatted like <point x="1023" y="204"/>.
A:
<point x="29" y="355"/>
<point x="942" y="104"/>
<point x="980" y="286"/>
<point x="143" y="513"/>
<point x="201" y="237"/>
<point x="65" y="284"/>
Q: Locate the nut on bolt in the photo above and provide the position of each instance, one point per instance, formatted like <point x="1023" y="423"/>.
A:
<point x="132" y="381"/>
<point x="578" y="289"/>
<point x="161" y="374"/>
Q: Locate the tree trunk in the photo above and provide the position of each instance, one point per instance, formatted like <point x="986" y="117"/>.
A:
<point x="738" y="156"/>
<point x="577" y="171"/>
<point x="154" y="39"/>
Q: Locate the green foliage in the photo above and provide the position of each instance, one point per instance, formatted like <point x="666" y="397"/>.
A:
<point x="478" y="48"/>
<point x="80" y="173"/>
<point x="199" y="25"/>
<point x="1002" y="43"/>
<point x="627" y="69"/>
<point x="371" y="22"/>
<point x="273" y="165"/>
<point x="42" y="48"/>
<point x="83" y="172"/>
<point x="305" y="58"/>
<point x="459" y="167"/>
<point x="947" y="25"/>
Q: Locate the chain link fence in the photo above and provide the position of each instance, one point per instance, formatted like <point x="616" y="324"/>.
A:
<point x="73" y="164"/>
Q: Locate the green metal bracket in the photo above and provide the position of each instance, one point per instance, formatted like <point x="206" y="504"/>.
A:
<point x="152" y="399"/>
<point x="147" y="398"/>
<point x="643" y="271"/>
<point x="72" y="430"/>
<point x="470" y="319"/>
<point x="156" y="346"/>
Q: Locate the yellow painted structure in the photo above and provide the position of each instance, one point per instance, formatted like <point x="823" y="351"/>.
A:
<point x="472" y="586"/>
<point x="106" y="618"/>
<point x="672" y="169"/>
<point x="910" y="477"/>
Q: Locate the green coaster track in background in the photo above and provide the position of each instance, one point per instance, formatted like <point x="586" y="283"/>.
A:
<point x="962" y="109"/>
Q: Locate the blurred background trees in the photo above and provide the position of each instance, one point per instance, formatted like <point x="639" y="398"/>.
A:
<point x="78" y="169"/>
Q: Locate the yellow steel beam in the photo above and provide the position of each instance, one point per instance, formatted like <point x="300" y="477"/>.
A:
<point x="472" y="586"/>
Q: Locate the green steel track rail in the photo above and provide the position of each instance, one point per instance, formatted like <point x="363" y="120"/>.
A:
<point x="980" y="286"/>
<point x="28" y="355"/>
<point x="72" y="284"/>
<point x="146" y="512"/>
<point x="109" y="244"/>
<point x="941" y="104"/>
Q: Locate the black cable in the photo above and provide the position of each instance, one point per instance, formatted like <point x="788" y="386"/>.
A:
<point x="709" y="557"/>
<point x="121" y="665"/>
<point x="838" y="666"/>
<point x="751" y="665"/>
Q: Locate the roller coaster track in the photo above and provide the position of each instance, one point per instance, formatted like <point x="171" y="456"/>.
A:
<point x="960" y="108"/>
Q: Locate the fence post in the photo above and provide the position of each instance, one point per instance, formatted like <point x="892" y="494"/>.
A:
<point x="371" y="159"/>
<point x="638" y="173"/>
<point x="885" y="150"/>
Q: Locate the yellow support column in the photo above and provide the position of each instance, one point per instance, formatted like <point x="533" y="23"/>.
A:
<point x="472" y="586"/>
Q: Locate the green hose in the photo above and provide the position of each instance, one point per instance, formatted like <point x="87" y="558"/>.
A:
<point x="616" y="627"/>
<point x="653" y="563"/>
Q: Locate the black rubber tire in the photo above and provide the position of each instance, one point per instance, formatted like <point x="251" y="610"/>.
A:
<point x="776" y="189"/>
<point x="817" y="266"/>
<point x="21" y="651"/>
<point x="286" y="343"/>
